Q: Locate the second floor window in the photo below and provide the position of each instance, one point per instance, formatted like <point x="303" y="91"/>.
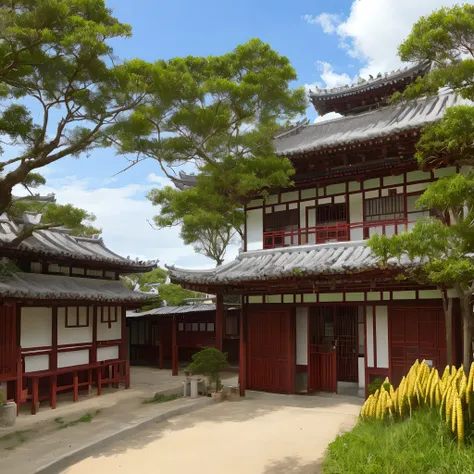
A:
<point x="282" y="220"/>
<point x="385" y="208"/>
<point x="331" y="213"/>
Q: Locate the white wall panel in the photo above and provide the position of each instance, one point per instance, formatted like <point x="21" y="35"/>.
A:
<point x="107" y="353"/>
<point x="73" y="335"/>
<point x="356" y="214"/>
<point x="301" y="336"/>
<point x="254" y="229"/>
<point x="36" y="363"/>
<point x="361" y="371"/>
<point x="381" y="330"/>
<point x="369" y="331"/>
<point x="36" y="327"/>
<point x="104" y="333"/>
<point x="73" y="358"/>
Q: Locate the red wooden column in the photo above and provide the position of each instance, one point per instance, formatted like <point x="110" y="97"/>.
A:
<point x="243" y="351"/>
<point x="174" y="348"/>
<point x="162" y="340"/>
<point x="292" y="352"/>
<point x="219" y="321"/>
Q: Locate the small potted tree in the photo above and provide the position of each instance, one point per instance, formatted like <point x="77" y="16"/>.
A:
<point x="7" y="412"/>
<point x="209" y="362"/>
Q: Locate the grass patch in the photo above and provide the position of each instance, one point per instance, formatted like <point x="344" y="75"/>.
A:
<point x="86" y="418"/>
<point x="15" y="439"/>
<point x="422" y="444"/>
<point x="158" y="398"/>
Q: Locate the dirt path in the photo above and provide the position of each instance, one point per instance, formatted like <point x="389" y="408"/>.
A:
<point x="268" y="434"/>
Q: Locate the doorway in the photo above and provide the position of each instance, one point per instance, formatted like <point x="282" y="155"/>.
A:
<point x="333" y="346"/>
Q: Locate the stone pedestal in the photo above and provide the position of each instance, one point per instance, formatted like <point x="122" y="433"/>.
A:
<point x="7" y="415"/>
<point x="191" y="386"/>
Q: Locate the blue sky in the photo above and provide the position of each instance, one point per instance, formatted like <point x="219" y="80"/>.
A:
<point x="329" y="43"/>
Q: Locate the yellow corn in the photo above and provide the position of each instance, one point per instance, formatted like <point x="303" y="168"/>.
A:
<point x="454" y="414"/>
<point x="460" y="421"/>
<point x="449" y="404"/>
<point x="469" y="382"/>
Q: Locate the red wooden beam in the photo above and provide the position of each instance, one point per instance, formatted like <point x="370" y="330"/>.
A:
<point x="174" y="348"/>
<point x="219" y="320"/>
<point x="243" y="351"/>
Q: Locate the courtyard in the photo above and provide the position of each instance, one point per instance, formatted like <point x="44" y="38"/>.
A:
<point x="263" y="433"/>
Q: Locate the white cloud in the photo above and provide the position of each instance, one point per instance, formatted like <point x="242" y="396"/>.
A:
<point x="162" y="181"/>
<point x="374" y="29"/>
<point x="124" y="214"/>
<point x="328" y="21"/>
<point x="328" y="116"/>
<point x="330" y="78"/>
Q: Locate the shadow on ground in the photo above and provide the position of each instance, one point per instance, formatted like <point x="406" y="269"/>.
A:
<point x="293" y="465"/>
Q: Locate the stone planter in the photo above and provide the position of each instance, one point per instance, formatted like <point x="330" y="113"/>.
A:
<point x="7" y="414"/>
<point x="216" y="397"/>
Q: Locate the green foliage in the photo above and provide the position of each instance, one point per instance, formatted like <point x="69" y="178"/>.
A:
<point x="374" y="386"/>
<point x="421" y="444"/>
<point x="55" y="60"/>
<point x="173" y="294"/>
<point x="219" y="113"/>
<point x="160" y="398"/>
<point x="446" y="37"/>
<point x="209" y="362"/>
<point x="76" y="219"/>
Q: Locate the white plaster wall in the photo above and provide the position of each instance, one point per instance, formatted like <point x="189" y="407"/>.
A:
<point x="369" y="330"/>
<point x="301" y="336"/>
<point x="356" y="214"/>
<point x="73" y="358"/>
<point x="36" y="327"/>
<point x="254" y="229"/>
<point x="107" y="353"/>
<point x="381" y="330"/>
<point x="36" y="363"/>
<point x="361" y="373"/>
<point x="104" y="333"/>
<point x="73" y="335"/>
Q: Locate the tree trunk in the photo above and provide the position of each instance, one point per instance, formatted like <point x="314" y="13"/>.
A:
<point x="467" y="332"/>
<point x="466" y="312"/>
<point x="448" y="321"/>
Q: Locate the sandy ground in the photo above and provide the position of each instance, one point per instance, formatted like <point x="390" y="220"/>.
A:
<point x="264" y="433"/>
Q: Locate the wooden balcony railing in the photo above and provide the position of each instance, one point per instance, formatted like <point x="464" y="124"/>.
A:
<point x="343" y="232"/>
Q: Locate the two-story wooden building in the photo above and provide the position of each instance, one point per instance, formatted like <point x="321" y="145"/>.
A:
<point x="318" y="309"/>
<point x="62" y="315"/>
<point x="167" y="335"/>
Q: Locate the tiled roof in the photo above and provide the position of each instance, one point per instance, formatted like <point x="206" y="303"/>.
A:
<point x="60" y="243"/>
<point x="58" y="287"/>
<point x="362" y="85"/>
<point x="304" y="260"/>
<point x="383" y="122"/>
<point x="169" y="310"/>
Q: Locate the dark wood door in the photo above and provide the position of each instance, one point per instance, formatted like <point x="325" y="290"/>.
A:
<point x="8" y="341"/>
<point x="416" y="333"/>
<point x="345" y="331"/>
<point x="271" y="363"/>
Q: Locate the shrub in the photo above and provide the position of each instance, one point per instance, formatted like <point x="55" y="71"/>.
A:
<point x="451" y="396"/>
<point x="208" y="362"/>
<point x="374" y="386"/>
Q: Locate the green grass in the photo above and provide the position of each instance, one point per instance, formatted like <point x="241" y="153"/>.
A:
<point x="161" y="398"/>
<point x="15" y="439"/>
<point x="422" y="444"/>
<point x="86" y="418"/>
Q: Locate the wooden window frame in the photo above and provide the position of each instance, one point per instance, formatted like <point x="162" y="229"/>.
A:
<point x="108" y="320"/>
<point x="384" y="208"/>
<point x="77" y="323"/>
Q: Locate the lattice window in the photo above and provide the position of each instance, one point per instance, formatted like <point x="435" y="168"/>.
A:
<point x="328" y="213"/>
<point x="77" y="316"/>
<point x="385" y="208"/>
<point x="281" y="220"/>
<point x="108" y="314"/>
